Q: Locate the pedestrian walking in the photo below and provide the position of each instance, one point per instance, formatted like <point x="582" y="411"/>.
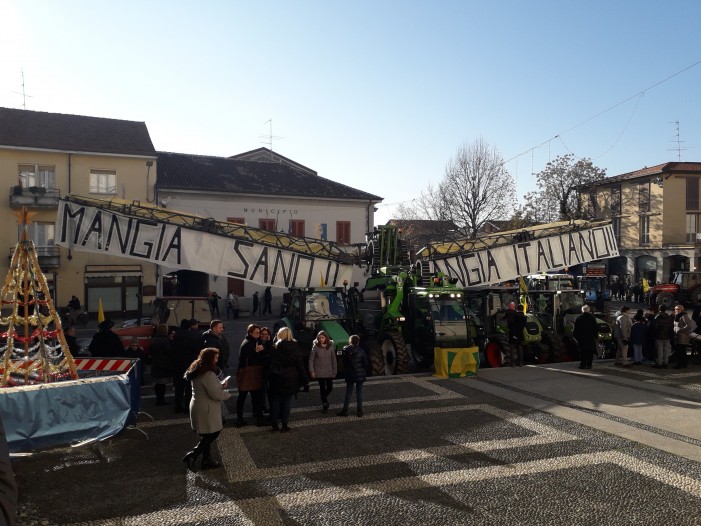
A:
<point x="287" y="376"/>
<point x="683" y="327"/>
<point x="267" y="301"/>
<point x="638" y="336"/>
<point x="232" y="305"/>
<point x="355" y="365"/>
<point x="254" y="310"/>
<point x="161" y="362"/>
<point x="516" y="323"/>
<point x="214" y="304"/>
<point x="621" y="332"/>
<point x="323" y="367"/>
<point x="208" y="393"/>
<point x="585" y="332"/>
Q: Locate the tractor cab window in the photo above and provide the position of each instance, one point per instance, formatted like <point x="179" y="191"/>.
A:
<point x="474" y="306"/>
<point x="571" y="302"/>
<point x="325" y="305"/>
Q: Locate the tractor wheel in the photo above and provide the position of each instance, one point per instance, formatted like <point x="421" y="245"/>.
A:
<point x="664" y="298"/>
<point x="422" y="358"/>
<point x="393" y="355"/>
<point x="494" y="354"/>
<point x="571" y="349"/>
<point x="372" y="347"/>
<point x="554" y="342"/>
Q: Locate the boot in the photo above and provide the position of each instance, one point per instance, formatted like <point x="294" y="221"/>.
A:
<point x="210" y="463"/>
<point x="190" y="458"/>
<point x="285" y="427"/>
<point x="240" y="422"/>
<point x="360" y="413"/>
<point x="343" y="412"/>
<point x="275" y="428"/>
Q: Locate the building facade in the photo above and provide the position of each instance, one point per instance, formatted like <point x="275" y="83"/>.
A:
<point x="261" y="189"/>
<point x="44" y="156"/>
<point x="656" y="215"/>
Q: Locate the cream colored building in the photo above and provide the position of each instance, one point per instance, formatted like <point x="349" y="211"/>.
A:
<point x="44" y="156"/>
<point x="656" y="215"/>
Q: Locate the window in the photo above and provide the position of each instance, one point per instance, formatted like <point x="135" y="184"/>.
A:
<point x="37" y="175"/>
<point x="267" y="224"/>
<point x="644" y="230"/>
<point x="41" y="234"/>
<point x="692" y="227"/>
<point x="103" y="182"/>
<point x="616" y="201"/>
<point x="616" y="224"/>
<point x="644" y="197"/>
<point x="237" y="220"/>
<point x="297" y="227"/>
<point x="692" y="193"/>
<point x="343" y="231"/>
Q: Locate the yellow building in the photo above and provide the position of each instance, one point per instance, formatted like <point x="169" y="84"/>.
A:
<point x="655" y="214"/>
<point x="44" y="156"/>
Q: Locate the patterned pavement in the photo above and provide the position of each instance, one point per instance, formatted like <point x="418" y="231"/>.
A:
<point x="512" y="446"/>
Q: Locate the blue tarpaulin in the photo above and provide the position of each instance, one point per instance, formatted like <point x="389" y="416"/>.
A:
<point x="63" y="413"/>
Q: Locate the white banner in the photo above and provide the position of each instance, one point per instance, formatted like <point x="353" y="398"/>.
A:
<point x="507" y="263"/>
<point x="89" y="228"/>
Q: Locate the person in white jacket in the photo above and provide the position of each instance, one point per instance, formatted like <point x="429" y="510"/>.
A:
<point x="621" y="332"/>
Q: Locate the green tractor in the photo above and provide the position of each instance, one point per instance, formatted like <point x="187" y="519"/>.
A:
<point x="557" y="310"/>
<point x="314" y="309"/>
<point x="486" y="309"/>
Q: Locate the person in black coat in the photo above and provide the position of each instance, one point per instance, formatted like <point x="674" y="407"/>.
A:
<point x="355" y="366"/>
<point x="586" y="332"/>
<point x="161" y="362"/>
<point x="184" y="353"/>
<point x="251" y="354"/>
<point x="106" y="343"/>
<point x="287" y="375"/>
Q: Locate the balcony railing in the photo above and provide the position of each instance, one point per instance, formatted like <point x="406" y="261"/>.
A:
<point x="49" y="257"/>
<point x="34" y="196"/>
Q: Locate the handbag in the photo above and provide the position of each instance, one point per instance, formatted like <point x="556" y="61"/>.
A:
<point x="250" y="378"/>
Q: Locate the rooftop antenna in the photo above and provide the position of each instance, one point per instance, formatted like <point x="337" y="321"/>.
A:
<point x="269" y="137"/>
<point x="24" y="94"/>
<point x="677" y="138"/>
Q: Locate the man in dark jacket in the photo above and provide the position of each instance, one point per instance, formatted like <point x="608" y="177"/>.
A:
<point x="516" y="322"/>
<point x="586" y="332"/>
<point x="663" y="330"/>
<point x="185" y="351"/>
<point x="355" y="366"/>
<point x="105" y="343"/>
<point x="212" y="338"/>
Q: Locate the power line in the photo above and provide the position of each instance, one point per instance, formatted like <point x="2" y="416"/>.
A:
<point x="638" y="94"/>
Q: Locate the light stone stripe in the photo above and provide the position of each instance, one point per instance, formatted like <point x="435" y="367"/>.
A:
<point x="243" y="467"/>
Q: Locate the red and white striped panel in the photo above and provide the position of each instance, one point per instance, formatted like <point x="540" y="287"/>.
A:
<point x="103" y="364"/>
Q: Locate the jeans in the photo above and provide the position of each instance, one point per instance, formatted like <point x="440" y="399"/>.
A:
<point x="325" y="388"/>
<point x="256" y="401"/>
<point x="358" y="394"/>
<point x="281" y="407"/>
<point x="664" y="348"/>
<point x="637" y="352"/>
<point x="622" y="354"/>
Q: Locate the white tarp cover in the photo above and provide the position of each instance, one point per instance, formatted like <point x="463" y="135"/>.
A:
<point x="90" y="228"/>
<point x="506" y="263"/>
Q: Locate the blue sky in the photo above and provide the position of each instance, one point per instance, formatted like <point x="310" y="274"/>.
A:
<point x="374" y="94"/>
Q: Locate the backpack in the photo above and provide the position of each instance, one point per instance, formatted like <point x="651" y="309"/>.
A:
<point x="690" y="324"/>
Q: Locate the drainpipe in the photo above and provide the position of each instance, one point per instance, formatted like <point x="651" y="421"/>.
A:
<point x="149" y="164"/>
<point x="70" y="254"/>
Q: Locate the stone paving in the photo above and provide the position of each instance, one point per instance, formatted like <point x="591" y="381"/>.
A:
<point x="487" y="450"/>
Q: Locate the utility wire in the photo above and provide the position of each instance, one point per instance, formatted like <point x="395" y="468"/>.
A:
<point x="639" y="93"/>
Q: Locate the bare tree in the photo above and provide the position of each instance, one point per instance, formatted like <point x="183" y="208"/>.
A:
<point x="558" y="189"/>
<point x="476" y="187"/>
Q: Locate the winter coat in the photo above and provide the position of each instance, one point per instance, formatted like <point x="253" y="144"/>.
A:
<point x="205" y="405"/>
<point x="623" y="326"/>
<point x="210" y="339"/>
<point x="248" y="354"/>
<point x="106" y="344"/>
<point x="638" y="334"/>
<point x="355" y="363"/>
<point x="586" y="331"/>
<point x="664" y="326"/>
<point x="161" y="357"/>
<point x="182" y="352"/>
<point x="681" y="329"/>
<point x="322" y="361"/>
<point x="287" y="373"/>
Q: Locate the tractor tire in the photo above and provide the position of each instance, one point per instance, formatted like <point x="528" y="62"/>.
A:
<point x="494" y="353"/>
<point x="422" y="359"/>
<point x="393" y="357"/>
<point x="571" y="349"/>
<point x="664" y="298"/>
<point x="554" y="343"/>
<point x="372" y="347"/>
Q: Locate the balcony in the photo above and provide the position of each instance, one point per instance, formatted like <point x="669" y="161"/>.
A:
<point x="34" y="197"/>
<point x="49" y="257"/>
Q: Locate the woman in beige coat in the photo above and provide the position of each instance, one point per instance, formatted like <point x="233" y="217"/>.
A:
<point x="205" y="407"/>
